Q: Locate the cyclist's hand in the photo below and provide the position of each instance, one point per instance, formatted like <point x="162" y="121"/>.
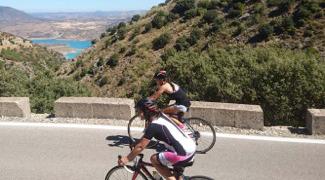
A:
<point x="123" y="161"/>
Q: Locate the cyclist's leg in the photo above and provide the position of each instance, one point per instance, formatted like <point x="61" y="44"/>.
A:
<point x="162" y="169"/>
<point x="168" y="158"/>
<point x="176" y="110"/>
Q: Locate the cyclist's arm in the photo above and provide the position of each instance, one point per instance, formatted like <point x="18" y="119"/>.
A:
<point x="158" y="93"/>
<point x="138" y="148"/>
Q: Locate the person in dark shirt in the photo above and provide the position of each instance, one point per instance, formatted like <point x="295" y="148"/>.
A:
<point x="181" y="148"/>
<point x="175" y="92"/>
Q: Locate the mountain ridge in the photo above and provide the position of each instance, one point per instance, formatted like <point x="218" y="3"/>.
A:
<point x="12" y="16"/>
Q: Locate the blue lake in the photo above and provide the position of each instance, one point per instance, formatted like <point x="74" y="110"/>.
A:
<point x="77" y="45"/>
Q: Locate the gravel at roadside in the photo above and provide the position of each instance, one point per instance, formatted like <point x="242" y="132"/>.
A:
<point x="277" y="131"/>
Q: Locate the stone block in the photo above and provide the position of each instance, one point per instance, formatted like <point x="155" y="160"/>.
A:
<point x="15" y="107"/>
<point x="315" y="121"/>
<point x="94" y="107"/>
<point x="228" y="114"/>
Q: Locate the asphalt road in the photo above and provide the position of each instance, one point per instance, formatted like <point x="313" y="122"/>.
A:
<point x="88" y="152"/>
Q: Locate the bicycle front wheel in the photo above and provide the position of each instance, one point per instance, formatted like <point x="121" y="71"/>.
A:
<point x="119" y="172"/>
<point x="203" y="133"/>
<point x="200" y="178"/>
<point x="136" y="129"/>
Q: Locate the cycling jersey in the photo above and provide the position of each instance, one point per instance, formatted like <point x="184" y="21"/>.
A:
<point x="181" y="147"/>
<point x="163" y="129"/>
<point x="179" y="95"/>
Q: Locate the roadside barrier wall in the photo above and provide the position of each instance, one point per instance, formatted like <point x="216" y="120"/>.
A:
<point x="220" y="114"/>
<point x="94" y="107"/>
<point x="15" y="107"/>
<point x="315" y="121"/>
<point x="228" y="114"/>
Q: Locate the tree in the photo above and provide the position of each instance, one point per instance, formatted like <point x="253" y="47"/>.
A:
<point x="136" y="18"/>
<point x="183" y="5"/>
<point x="161" y="41"/>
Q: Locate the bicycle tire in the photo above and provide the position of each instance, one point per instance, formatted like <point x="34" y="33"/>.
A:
<point x="114" y="172"/>
<point x="200" y="178"/>
<point x="201" y="126"/>
<point x="136" y="127"/>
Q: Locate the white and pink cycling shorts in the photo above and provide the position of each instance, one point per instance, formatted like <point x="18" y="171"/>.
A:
<point x="171" y="158"/>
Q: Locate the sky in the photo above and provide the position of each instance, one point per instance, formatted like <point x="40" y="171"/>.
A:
<point x="79" y="5"/>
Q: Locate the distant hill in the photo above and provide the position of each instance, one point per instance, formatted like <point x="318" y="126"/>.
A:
<point x="86" y="15"/>
<point x="30" y="70"/>
<point x="10" y="16"/>
<point x="20" y="53"/>
<point x="63" y="25"/>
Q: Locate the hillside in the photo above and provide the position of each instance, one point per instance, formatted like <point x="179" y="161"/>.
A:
<point x="29" y="70"/>
<point x="219" y="50"/>
<point x="10" y="16"/>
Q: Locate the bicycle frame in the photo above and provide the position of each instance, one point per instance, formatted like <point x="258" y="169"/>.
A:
<point x="141" y="166"/>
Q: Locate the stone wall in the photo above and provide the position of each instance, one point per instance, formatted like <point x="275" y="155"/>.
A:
<point x="315" y="121"/>
<point x="228" y="114"/>
<point x="94" y="107"/>
<point x="15" y="107"/>
<point x="220" y="114"/>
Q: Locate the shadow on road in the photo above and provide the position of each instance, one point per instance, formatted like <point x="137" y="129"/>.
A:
<point x="118" y="141"/>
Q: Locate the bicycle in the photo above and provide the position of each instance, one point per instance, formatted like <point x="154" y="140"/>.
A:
<point x="198" y="128"/>
<point x="139" y="170"/>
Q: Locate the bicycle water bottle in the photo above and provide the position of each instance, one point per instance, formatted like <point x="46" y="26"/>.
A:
<point x="156" y="175"/>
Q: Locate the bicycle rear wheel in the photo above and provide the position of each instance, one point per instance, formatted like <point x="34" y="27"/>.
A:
<point x="200" y="178"/>
<point x="136" y="129"/>
<point x="119" y="172"/>
<point x="203" y="133"/>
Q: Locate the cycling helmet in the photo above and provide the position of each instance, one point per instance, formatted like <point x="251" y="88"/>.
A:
<point x="147" y="104"/>
<point x="161" y="75"/>
<point x="148" y="107"/>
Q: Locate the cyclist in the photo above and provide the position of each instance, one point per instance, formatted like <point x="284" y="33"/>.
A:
<point x="181" y="148"/>
<point x="175" y="92"/>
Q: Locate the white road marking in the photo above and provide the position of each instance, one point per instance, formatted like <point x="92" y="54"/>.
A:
<point x="109" y="127"/>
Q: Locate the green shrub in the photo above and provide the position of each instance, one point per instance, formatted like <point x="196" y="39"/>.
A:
<point x="183" y="5"/>
<point x="168" y="53"/>
<point x="93" y="41"/>
<point x="239" y="30"/>
<point x="271" y="3"/>
<point x="233" y="13"/>
<point x="112" y="61"/>
<point x="266" y="31"/>
<point x="136" y="18"/>
<point x="121" y="25"/>
<point x="191" y="13"/>
<point x="288" y="25"/>
<point x="147" y="27"/>
<point x="102" y="81"/>
<point x="136" y="32"/>
<point x="161" y="41"/>
<point x="259" y="8"/>
<point x="121" y="33"/>
<point x="305" y="11"/>
<point x="194" y="36"/>
<point x="102" y="35"/>
<point x="210" y="16"/>
<point x="284" y="82"/>
<point x="113" y="30"/>
<point x="172" y="17"/>
<point x="216" y="26"/>
<point x="204" y="4"/>
<point x="181" y="44"/>
<point x="159" y="20"/>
